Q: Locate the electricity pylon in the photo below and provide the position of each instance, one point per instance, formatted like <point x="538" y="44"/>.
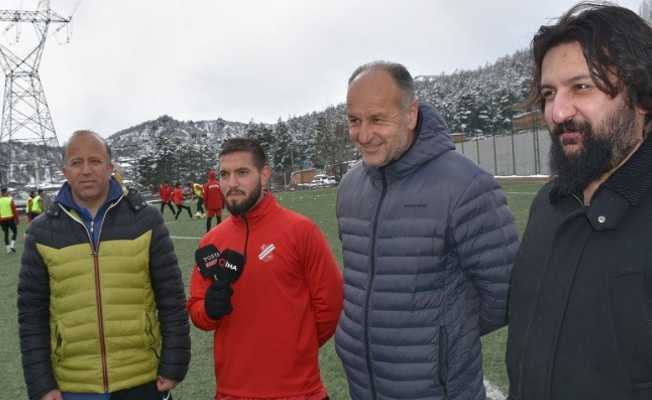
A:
<point x="25" y="113"/>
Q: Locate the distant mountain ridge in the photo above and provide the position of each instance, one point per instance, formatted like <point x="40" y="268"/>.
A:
<point x="132" y="141"/>
<point x="32" y="163"/>
<point x="477" y="102"/>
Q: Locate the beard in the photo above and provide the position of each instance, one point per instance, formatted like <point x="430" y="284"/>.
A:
<point x="246" y="204"/>
<point x="602" y="149"/>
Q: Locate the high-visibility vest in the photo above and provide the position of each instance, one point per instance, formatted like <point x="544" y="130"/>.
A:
<point x="5" y="207"/>
<point x="37" y="205"/>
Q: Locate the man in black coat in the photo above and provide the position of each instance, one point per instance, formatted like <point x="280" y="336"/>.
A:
<point x="581" y="295"/>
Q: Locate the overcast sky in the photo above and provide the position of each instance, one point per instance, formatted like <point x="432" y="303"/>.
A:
<point x="129" y="61"/>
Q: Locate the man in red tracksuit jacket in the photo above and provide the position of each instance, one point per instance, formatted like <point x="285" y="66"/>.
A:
<point x="213" y="200"/>
<point x="165" y="193"/>
<point x="270" y="323"/>
<point x="178" y="198"/>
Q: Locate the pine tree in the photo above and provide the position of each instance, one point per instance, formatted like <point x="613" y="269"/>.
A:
<point x="281" y="151"/>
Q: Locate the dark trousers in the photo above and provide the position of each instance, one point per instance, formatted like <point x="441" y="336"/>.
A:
<point x="200" y="205"/>
<point x="6" y="225"/>
<point x="164" y="203"/>
<point x="210" y="219"/>
<point x="144" y="392"/>
<point x="183" y="207"/>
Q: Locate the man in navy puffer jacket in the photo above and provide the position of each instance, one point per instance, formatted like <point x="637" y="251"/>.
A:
<point x="428" y="244"/>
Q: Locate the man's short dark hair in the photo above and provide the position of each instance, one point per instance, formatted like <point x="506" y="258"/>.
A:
<point x="398" y="72"/>
<point x="615" y="42"/>
<point x="4" y="189"/>
<point x="87" y="132"/>
<point x="248" y="145"/>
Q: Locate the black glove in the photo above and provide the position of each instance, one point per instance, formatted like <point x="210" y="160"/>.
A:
<point x="217" y="302"/>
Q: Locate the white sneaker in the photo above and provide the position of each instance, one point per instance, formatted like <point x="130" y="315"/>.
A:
<point x="8" y="249"/>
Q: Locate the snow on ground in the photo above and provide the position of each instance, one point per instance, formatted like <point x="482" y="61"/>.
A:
<point x="493" y="393"/>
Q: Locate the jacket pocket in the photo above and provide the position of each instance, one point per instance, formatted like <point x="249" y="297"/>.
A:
<point x="150" y="337"/>
<point x="632" y="320"/>
<point x="56" y="342"/>
<point x="443" y="360"/>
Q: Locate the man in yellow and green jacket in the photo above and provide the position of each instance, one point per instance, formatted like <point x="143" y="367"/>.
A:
<point x="100" y="295"/>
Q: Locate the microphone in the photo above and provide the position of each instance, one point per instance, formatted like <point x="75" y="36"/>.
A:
<point x="207" y="258"/>
<point x="232" y="265"/>
<point x="226" y="266"/>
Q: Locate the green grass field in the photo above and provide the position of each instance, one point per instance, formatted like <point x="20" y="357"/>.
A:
<point x="200" y="383"/>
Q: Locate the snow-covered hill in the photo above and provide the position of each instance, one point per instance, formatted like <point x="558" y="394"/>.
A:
<point x="476" y="102"/>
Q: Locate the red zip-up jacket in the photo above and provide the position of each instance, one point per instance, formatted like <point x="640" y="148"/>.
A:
<point x="165" y="192"/>
<point x="286" y="304"/>
<point x="177" y="196"/>
<point x="213" y="198"/>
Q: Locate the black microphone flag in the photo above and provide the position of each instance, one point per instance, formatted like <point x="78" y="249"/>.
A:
<point x="207" y="259"/>
<point x="226" y="266"/>
<point x="232" y="264"/>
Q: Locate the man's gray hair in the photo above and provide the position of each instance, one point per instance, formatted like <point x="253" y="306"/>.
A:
<point x="397" y="71"/>
<point x="87" y="132"/>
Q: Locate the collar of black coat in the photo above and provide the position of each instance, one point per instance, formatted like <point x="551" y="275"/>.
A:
<point x="634" y="179"/>
<point x="431" y="139"/>
<point x="631" y="181"/>
<point x="623" y="189"/>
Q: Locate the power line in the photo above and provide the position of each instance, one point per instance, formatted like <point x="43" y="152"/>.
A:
<point x="26" y="115"/>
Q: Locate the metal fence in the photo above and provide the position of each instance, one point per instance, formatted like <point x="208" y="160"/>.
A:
<point x="522" y="153"/>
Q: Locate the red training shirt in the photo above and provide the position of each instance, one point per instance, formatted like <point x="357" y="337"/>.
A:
<point x="286" y="304"/>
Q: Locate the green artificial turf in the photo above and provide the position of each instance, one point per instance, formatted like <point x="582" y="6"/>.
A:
<point x="319" y="205"/>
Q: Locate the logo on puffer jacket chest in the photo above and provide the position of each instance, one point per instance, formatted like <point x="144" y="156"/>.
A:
<point x="266" y="252"/>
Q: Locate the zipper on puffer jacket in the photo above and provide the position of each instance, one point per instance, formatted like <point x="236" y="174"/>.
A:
<point x="443" y="360"/>
<point x="98" y="291"/>
<point x="372" y="271"/>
